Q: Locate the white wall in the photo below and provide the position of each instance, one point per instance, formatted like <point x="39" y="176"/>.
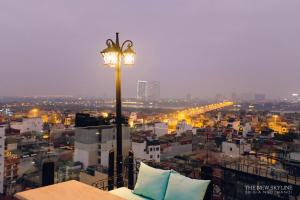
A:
<point x="143" y="152"/>
<point x="155" y="153"/>
<point x="86" y="153"/>
<point x="87" y="141"/>
<point x="139" y="150"/>
<point x="194" y="130"/>
<point x="109" y="143"/>
<point x="182" y="127"/>
<point x="28" y="124"/>
<point x="295" y="156"/>
<point x="230" y="149"/>
<point x="160" y="129"/>
<point x="82" y="156"/>
<point x="234" y="150"/>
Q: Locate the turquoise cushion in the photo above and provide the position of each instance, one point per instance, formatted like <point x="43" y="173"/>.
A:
<point x="151" y="182"/>
<point x="126" y="193"/>
<point x="183" y="188"/>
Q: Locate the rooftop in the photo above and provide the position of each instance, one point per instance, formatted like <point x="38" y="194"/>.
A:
<point x="70" y="190"/>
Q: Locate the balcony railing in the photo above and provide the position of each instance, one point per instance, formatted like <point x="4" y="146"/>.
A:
<point x="263" y="171"/>
<point x="226" y="178"/>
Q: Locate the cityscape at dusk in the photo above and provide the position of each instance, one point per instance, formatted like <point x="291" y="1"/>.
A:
<point x="159" y="100"/>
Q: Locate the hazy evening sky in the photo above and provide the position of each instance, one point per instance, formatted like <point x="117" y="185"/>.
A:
<point x="201" y="47"/>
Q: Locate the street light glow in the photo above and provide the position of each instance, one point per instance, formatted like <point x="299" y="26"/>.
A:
<point x="114" y="52"/>
<point x="110" y="57"/>
<point x="104" y="114"/>
<point x="129" y="56"/>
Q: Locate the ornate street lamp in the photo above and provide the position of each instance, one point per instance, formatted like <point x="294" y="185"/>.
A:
<point x="113" y="55"/>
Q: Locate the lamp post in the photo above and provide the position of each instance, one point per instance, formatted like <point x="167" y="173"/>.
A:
<point x="112" y="55"/>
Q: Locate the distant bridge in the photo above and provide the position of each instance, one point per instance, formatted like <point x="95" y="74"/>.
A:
<point x="186" y="114"/>
<point x="202" y="109"/>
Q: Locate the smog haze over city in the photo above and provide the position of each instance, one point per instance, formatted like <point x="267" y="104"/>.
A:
<point x="201" y="48"/>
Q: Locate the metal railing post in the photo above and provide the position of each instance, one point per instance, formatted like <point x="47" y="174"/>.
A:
<point x="207" y="174"/>
<point x="130" y="170"/>
<point x="111" y="167"/>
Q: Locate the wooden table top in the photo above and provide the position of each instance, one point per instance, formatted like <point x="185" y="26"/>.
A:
<point x="69" y="190"/>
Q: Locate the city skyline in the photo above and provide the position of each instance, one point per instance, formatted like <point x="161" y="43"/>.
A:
<point x="199" y="48"/>
<point x="149" y="100"/>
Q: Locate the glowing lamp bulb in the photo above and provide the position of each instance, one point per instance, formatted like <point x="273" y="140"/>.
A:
<point x="110" y="56"/>
<point x="129" y="56"/>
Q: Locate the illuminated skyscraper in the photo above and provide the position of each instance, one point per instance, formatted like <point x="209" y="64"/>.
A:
<point x="153" y="91"/>
<point x="142" y="90"/>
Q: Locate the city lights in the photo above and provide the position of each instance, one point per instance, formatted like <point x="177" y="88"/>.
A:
<point x="295" y="94"/>
<point x="105" y="114"/>
<point x="210" y="112"/>
<point x="33" y="113"/>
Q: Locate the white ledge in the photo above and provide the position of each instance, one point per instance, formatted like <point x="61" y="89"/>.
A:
<point x="70" y="190"/>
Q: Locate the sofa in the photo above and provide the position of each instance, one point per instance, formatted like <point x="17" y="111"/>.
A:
<point x="157" y="184"/>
